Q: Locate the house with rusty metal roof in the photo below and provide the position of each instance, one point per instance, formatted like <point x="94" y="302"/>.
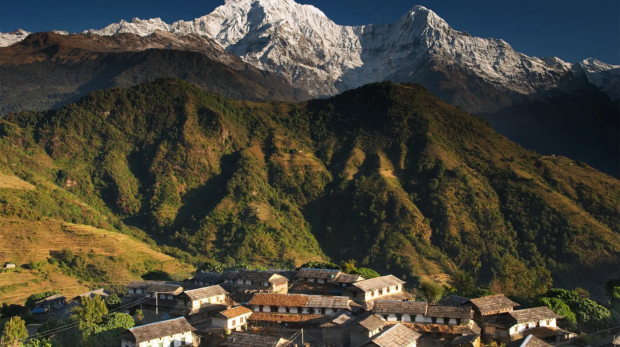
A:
<point x="398" y="335"/>
<point x="173" y="332"/>
<point x="244" y="339"/>
<point x="383" y="287"/>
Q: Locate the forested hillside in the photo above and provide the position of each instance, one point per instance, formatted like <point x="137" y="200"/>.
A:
<point x="387" y="175"/>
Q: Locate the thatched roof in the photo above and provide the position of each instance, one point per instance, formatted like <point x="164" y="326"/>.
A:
<point x="156" y="330"/>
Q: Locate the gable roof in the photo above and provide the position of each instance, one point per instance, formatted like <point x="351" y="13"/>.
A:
<point x="397" y="336"/>
<point x="51" y="298"/>
<point x="340" y="319"/>
<point x="348" y="278"/>
<point x="156" y="330"/>
<point x="235" y="312"/>
<point x="528" y="341"/>
<point x="453" y="300"/>
<point x="260" y="276"/>
<point x="371" y="323"/>
<point x="243" y="339"/>
<point x="533" y="314"/>
<point x="101" y="292"/>
<point x="301" y="300"/>
<point x="206" y="292"/>
<point x="400" y="307"/>
<point x="164" y="288"/>
<point x="377" y="283"/>
<point x="209" y="277"/>
<point x="145" y="284"/>
<point x="450" y="312"/>
<point x="327" y="274"/>
<point x="493" y="303"/>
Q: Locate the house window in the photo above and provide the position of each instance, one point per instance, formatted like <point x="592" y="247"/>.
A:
<point x="234" y="322"/>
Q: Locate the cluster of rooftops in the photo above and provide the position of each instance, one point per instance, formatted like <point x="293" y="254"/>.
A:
<point x="368" y="312"/>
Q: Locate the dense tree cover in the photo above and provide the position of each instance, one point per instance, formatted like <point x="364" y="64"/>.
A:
<point x="431" y="291"/>
<point x="385" y="175"/>
<point x="587" y="313"/>
<point x="321" y="265"/>
<point x="112" y="301"/>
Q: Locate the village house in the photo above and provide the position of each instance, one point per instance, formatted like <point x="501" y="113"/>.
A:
<point x="345" y="280"/>
<point x="383" y="287"/>
<point x="366" y="328"/>
<point x="528" y="341"/>
<point x="449" y="315"/>
<point x="512" y="325"/>
<point x="552" y="335"/>
<point x="244" y="339"/>
<point x="404" y="311"/>
<point x="335" y="329"/>
<point x="101" y="292"/>
<point x="9" y="266"/>
<point x="163" y="299"/>
<point x="205" y="279"/>
<point x="264" y="280"/>
<point x="442" y="334"/>
<point x="196" y="298"/>
<point x="139" y="287"/>
<point x="173" y="332"/>
<point x="398" y="335"/>
<point x="233" y="319"/>
<point x="491" y="306"/>
<point x="296" y="309"/>
<point x="51" y="302"/>
<point x="316" y="275"/>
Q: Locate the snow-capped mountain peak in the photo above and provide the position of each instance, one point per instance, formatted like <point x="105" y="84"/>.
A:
<point x="7" y="39"/>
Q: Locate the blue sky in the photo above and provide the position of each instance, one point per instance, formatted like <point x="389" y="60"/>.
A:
<point x="570" y="29"/>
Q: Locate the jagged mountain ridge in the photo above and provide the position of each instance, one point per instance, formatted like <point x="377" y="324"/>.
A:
<point x="49" y="69"/>
<point x="325" y="58"/>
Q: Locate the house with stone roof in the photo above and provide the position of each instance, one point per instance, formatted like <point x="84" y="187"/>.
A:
<point x="195" y="298"/>
<point x="316" y="275"/>
<point x="491" y="305"/>
<point x="139" y="287"/>
<point x="203" y="279"/>
<point x="263" y="280"/>
<point x="232" y="319"/>
<point x="528" y="341"/>
<point x="513" y="324"/>
<point x="367" y="327"/>
<point x="420" y="312"/>
<point x="245" y="339"/>
<point x="398" y="335"/>
<point x="173" y="332"/>
<point x="364" y="292"/>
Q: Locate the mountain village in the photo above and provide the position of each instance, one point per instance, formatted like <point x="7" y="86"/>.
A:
<point x="312" y="307"/>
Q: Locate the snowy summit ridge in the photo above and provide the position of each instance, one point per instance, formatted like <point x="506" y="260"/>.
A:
<point x="300" y="43"/>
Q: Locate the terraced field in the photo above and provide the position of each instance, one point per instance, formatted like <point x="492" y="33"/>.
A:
<point x="122" y="258"/>
<point x="14" y="182"/>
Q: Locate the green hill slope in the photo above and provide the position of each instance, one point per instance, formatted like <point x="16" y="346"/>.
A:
<point x="386" y="174"/>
